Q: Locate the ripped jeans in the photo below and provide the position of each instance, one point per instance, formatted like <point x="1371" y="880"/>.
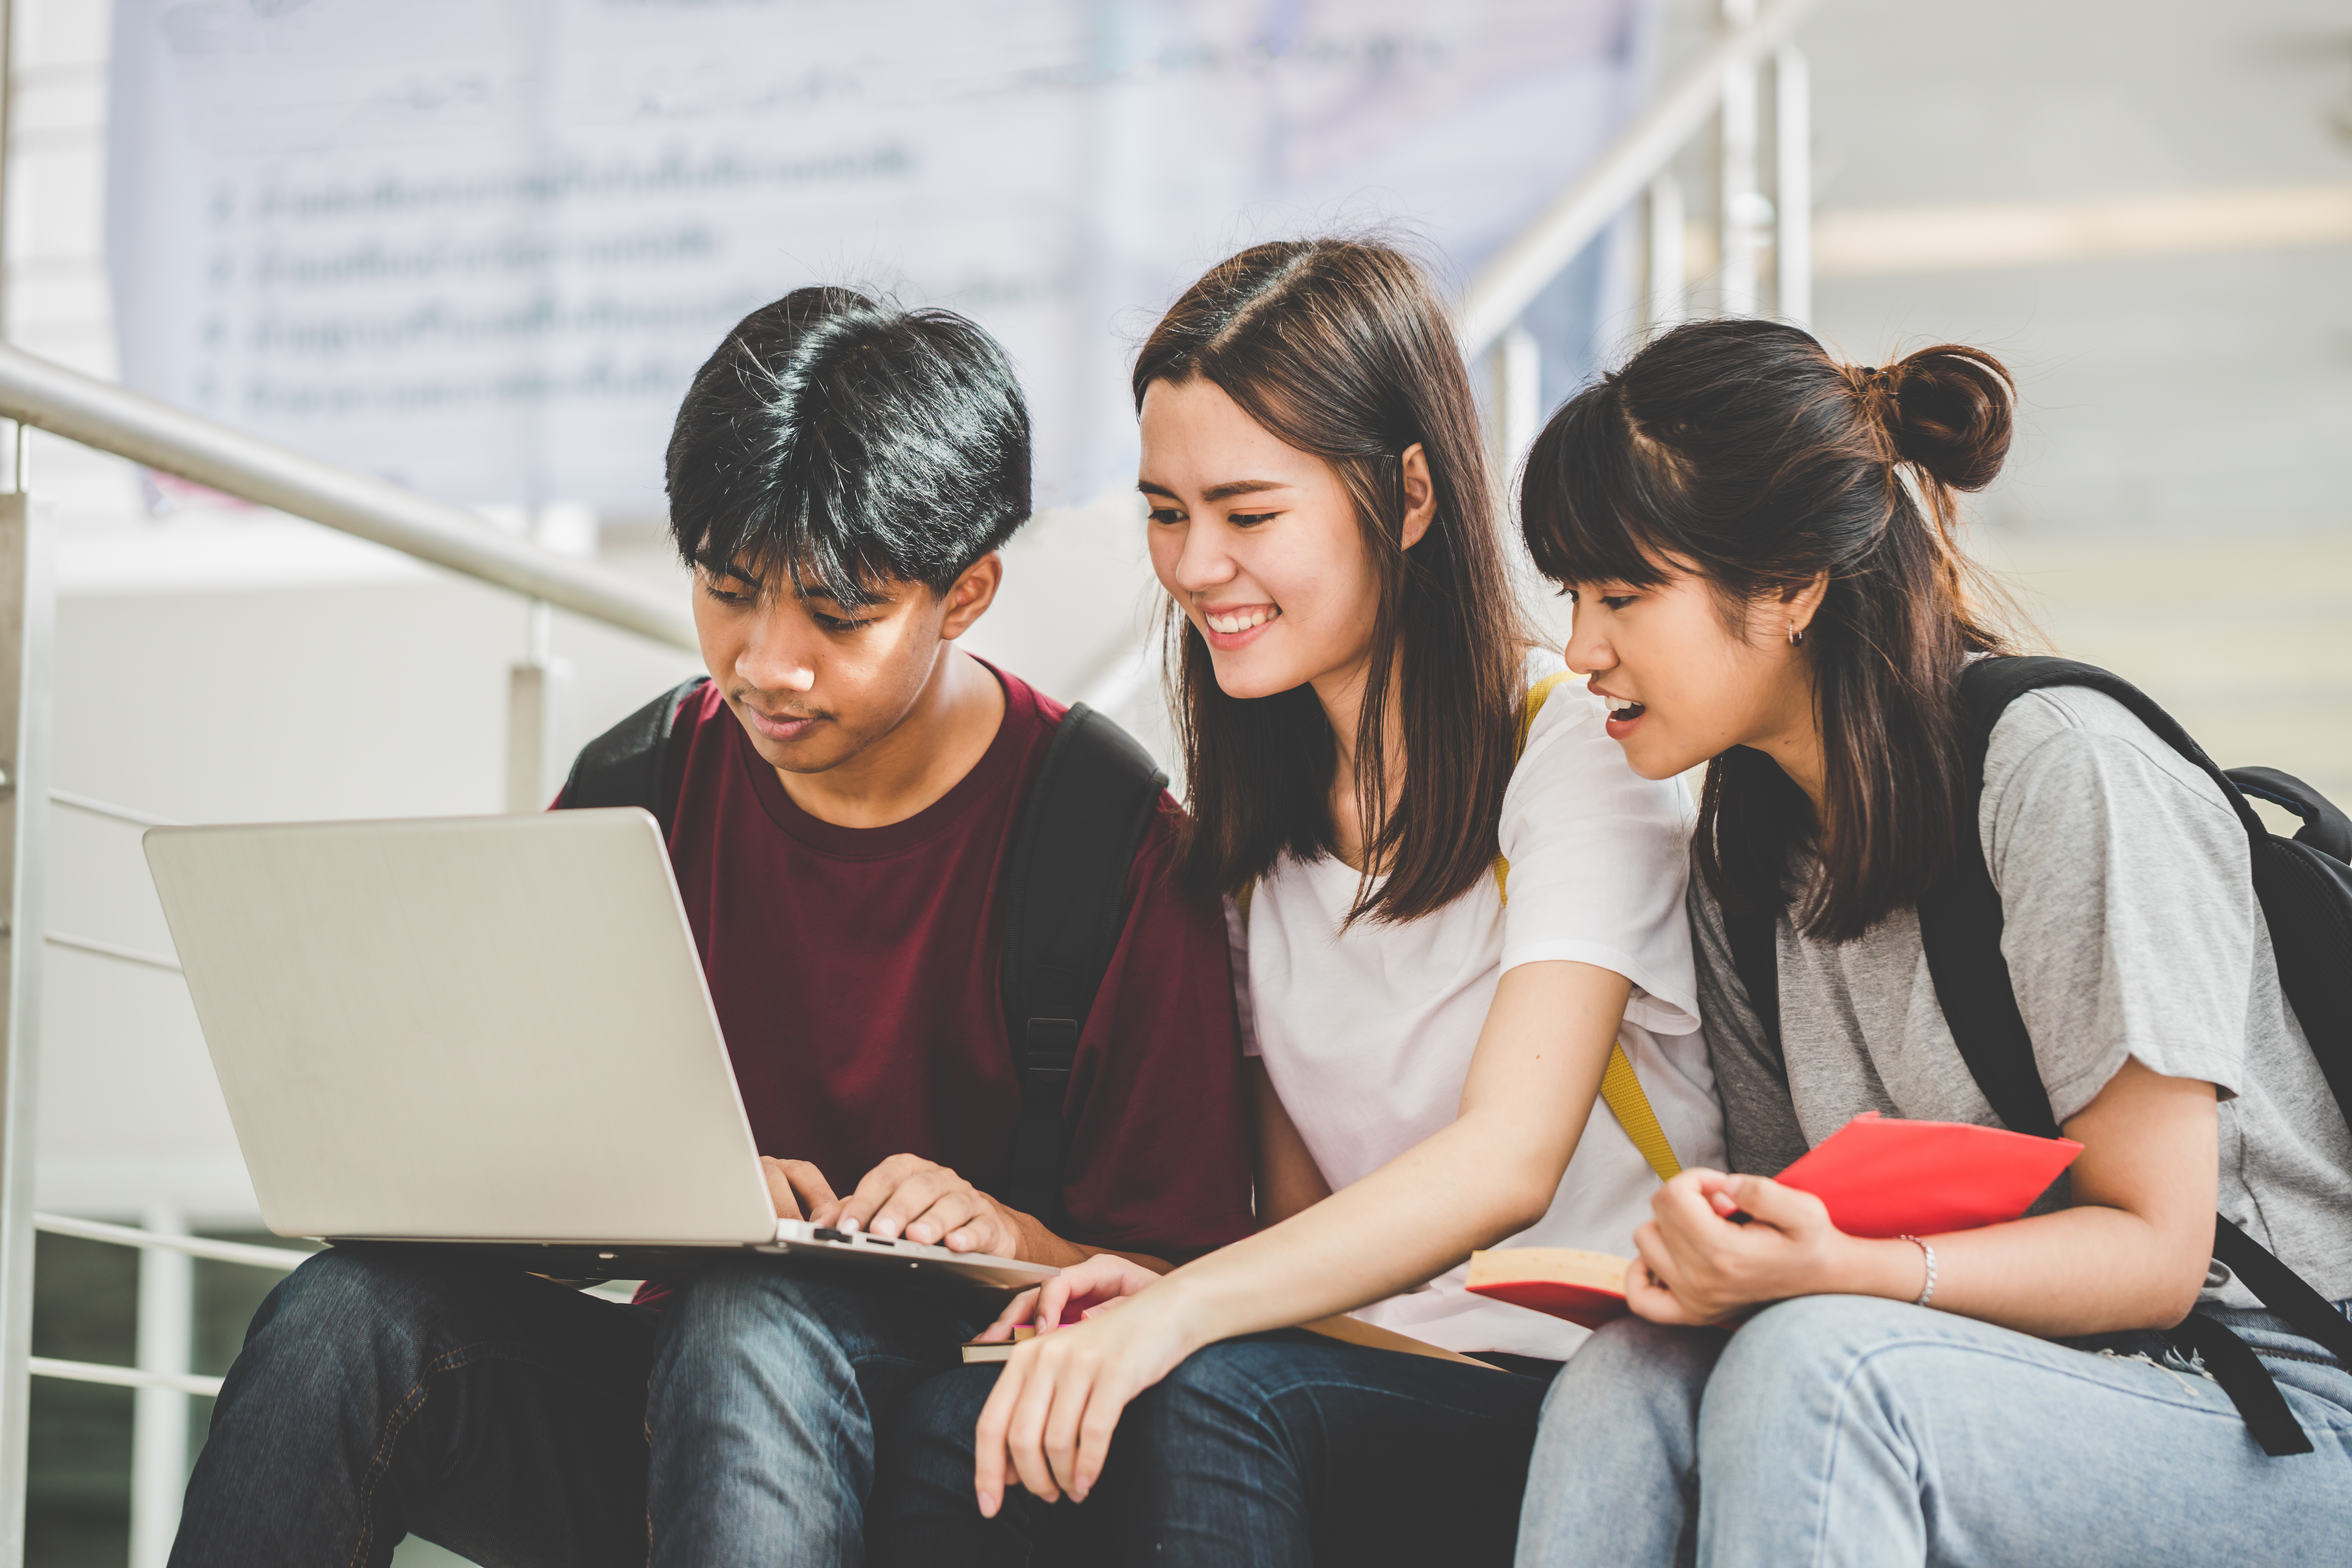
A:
<point x="1850" y="1431"/>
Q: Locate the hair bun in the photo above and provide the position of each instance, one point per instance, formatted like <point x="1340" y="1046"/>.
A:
<point x="1951" y="410"/>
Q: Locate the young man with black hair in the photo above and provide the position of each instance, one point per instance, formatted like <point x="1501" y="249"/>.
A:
<point x="842" y="799"/>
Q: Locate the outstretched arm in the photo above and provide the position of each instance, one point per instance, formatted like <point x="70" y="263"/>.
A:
<point x="1288" y="1183"/>
<point x="1492" y="1171"/>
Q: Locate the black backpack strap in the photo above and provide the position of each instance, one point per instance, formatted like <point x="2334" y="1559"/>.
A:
<point x="1959" y="919"/>
<point x="1065" y="887"/>
<point x="2305" y="890"/>
<point x="2282" y="1290"/>
<point x="2245" y="1380"/>
<point x="2324" y="826"/>
<point x="1960" y="925"/>
<point x="625" y="765"/>
<point x="1756" y="954"/>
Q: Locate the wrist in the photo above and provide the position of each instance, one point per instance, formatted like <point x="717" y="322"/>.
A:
<point x="1178" y="1315"/>
<point x="1032" y="1243"/>
<point x="1893" y="1269"/>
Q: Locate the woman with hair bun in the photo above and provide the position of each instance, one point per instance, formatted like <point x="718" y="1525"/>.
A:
<point x="1760" y="542"/>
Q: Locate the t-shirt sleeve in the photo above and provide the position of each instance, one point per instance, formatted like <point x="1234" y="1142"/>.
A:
<point x="1598" y="860"/>
<point x="2098" y="843"/>
<point x="1159" y="1156"/>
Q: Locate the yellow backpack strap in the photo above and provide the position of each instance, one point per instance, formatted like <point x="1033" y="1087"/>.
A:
<point x="1623" y="1091"/>
<point x="1534" y="705"/>
<point x="1620" y="1088"/>
<point x="1527" y="711"/>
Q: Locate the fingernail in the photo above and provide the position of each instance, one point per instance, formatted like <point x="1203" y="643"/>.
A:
<point x="1078" y="1492"/>
<point x="848" y="1225"/>
<point x="988" y="1505"/>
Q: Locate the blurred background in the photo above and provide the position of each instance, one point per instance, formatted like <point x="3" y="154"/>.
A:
<point x="476" y="248"/>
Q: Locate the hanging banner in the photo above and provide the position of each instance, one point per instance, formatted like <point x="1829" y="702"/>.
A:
<point x="480" y="246"/>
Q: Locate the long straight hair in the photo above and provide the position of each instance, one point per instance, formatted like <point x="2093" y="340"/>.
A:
<point x="1742" y="449"/>
<point x="1340" y="349"/>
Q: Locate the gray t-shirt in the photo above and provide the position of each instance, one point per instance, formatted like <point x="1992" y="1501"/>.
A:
<point x="2131" y="929"/>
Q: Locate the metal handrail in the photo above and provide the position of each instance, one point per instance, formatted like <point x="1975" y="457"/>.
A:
<point x="280" y="1259"/>
<point x="1508" y="284"/>
<point x="109" y="418"/>
<point x="283" y="1258"/>
<point x="194" y="1382"/>
<point x="113" y="950"/>
<point x="108" y="809"/>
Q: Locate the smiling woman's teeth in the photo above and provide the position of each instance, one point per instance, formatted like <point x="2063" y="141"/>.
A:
<point x="1242" y="621"/>
<point x="1626" y="713"/>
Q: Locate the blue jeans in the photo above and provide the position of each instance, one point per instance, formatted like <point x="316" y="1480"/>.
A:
<point x="383" y="1391"/>
<point x="1845" y="1429"/>
<point x="1281" y="1448"/>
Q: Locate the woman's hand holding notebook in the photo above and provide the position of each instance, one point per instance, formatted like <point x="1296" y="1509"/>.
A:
<point x="1877" y="1176"/>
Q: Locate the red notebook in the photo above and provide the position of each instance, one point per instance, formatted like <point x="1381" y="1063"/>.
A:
<point x="1879" y="1177"/>
<point x="1884" y="1177"/>
<point x="1586" y="1288"/>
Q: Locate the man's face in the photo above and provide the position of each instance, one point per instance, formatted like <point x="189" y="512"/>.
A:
<point x="815" y="682"/>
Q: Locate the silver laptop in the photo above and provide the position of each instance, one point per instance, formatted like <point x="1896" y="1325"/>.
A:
<point x="489" y="1031"/>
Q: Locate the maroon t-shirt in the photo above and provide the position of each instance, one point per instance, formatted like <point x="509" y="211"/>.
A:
<point x="856" y="975"/>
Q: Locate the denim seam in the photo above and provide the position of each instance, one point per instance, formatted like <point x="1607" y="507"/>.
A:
<point x="1844" y="1402"/>
<point x="397" y="1423"/>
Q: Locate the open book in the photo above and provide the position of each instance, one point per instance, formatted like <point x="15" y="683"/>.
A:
<point x="1879" y="1176"/>
<point x="1586" y="1288"/>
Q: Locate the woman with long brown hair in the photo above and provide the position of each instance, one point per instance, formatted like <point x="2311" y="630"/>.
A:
<point x="1431" y="1029"/>
<point x="1760" y="542"/>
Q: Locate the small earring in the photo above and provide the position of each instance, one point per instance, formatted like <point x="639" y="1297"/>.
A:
<point x="1796" y="637"/>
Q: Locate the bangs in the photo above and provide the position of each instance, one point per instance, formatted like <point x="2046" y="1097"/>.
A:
<point x="800" y="545"/>
<point x="1591" y="508"/>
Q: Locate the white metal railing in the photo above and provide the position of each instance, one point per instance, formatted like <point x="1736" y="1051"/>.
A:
<point x="1749" y="228"/>
<point x="107" y="418"/>
<point x="280" y="1258"/>
<point x="251" y="1256"/>
<point x="104" y="808"/>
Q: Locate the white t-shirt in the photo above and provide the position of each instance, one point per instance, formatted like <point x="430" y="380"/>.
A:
<point x="1367" y="1038"/>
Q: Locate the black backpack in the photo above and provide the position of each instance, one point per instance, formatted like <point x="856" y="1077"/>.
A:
<point x="1063" y="889"/>
<point x="2305" y="887"/>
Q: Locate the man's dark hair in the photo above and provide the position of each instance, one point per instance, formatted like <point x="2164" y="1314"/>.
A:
<point x="848" y="442"/>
